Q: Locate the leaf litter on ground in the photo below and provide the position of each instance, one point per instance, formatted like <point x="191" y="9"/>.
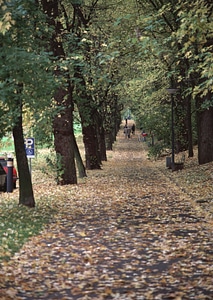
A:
<point x="133" y="230"/>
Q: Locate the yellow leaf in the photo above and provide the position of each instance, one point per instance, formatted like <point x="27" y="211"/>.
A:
<point x="82" y="233"/>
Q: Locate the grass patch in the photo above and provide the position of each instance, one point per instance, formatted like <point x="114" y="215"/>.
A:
<point x="19" y="223"/>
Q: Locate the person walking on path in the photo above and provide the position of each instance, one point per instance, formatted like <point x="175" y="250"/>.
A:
<point x="129" y="132"/>
<point x="125" y="131"/>
<point x="133" y="128"/>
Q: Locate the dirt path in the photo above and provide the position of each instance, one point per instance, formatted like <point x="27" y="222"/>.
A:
<point x="127" y="232"/>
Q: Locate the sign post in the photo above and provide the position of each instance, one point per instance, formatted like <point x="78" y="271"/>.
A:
<point x="30" y="150"/>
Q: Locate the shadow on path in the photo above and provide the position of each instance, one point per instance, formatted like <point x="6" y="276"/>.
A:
<point x="133" y="236"/>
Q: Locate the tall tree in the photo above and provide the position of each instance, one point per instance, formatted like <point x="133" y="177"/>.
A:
<point x="96" y="74"/>
<point x="185" y="28"/>
<point x="27" y="82"/>
<point x="63" y="122"/>
<point x="86" y="105"/>
<point x="196" y="37"/>
<point x="14" y="90"/>
<point x="87" y="115"/>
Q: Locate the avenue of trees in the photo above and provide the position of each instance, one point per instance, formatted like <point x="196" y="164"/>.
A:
<point x="91" y="60"/>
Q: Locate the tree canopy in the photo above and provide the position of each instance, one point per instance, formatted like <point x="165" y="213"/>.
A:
<point x="100" y="59"/>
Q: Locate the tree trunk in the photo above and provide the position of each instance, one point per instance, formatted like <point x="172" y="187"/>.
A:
<point x="63" y="122"/>
<point x="26" y="196"/>
<point x="64" y="140"/>
<point x="112" y="120"/>
<point x="181" y="122"/>
<point x="109" y="140"/>
<point x="79" y="161"/>
<point x="91" y="147"/>
<point x="101" y="137"/>
<point x="102" y="145"/>
<point x="189" y="127"/>
<point x="205" y="134"/>
<point x="87" y="114"/>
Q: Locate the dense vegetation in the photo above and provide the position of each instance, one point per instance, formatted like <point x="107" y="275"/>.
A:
<point x="92" y="60"/>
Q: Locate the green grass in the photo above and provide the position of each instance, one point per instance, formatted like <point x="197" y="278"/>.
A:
<point x="6" y="145"/>
<point x="19" y="223"/>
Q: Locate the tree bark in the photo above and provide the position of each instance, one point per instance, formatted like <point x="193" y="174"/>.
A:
<point x="205" y="133"/>
<point x="87" y="114"/>
<point x="101" y="137"/>
<point x="112" y="120"/>
<point x="109" y="140"/>
<point x="189" y="127"/>
<point x="79" y="162"/>
<point x="91" y="147"/>
<point x="26" y="196"/>
<point x="64" y="140"/>
<point x="63" y="122"/>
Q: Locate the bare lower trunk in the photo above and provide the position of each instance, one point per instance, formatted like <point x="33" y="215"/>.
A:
<point x="64" y="142"/>
<point x="79" y="162"/>
<point x="205" y="136"/>
<point x="26" y="196"/>
<point x="91" y="147"/>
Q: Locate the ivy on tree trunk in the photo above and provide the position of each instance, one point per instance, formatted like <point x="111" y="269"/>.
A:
<point x="63" y="122"/>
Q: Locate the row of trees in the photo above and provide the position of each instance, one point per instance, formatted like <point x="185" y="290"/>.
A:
<point x="175" y="43"/>
<point x="94" y="58"/>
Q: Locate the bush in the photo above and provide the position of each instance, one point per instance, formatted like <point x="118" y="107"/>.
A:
<point x="156" y="151"/>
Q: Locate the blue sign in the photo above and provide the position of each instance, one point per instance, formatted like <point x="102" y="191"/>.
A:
<point x="29" y="144"/>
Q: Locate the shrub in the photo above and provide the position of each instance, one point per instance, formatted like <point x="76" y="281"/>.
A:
<point x="155" y="151"/>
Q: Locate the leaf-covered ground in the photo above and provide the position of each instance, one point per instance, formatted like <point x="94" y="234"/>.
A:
<point x="133" y="230"/>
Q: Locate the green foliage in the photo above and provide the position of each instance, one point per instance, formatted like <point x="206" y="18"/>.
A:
<point x="195" y="36"/>
<point x="24" y="61"/>
<point x="6" y="144"/>
<point x="77" y="2"/>
<point x="123" y="49"/>
<point x="6" y="21"/>
<point x="155" y="151"/>
<point x="54" y="167"/>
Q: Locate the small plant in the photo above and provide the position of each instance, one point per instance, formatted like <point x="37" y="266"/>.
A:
<point x="155" y="151"/>
<point x="54" y="166"/>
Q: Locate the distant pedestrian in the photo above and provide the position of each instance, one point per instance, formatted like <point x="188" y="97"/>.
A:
<point x="129" y="132"/>
<point x="144" y="135"/>
<point x="125" y="131"/>
<point x="133" y="128"/>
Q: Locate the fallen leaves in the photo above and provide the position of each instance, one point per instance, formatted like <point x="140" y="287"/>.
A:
<point x="127" y="232"/>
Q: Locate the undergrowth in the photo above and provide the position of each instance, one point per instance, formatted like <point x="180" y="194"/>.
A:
<point x="155" y="151"/>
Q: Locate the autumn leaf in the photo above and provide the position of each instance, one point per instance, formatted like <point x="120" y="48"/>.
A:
<point x="132" y="230"/>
